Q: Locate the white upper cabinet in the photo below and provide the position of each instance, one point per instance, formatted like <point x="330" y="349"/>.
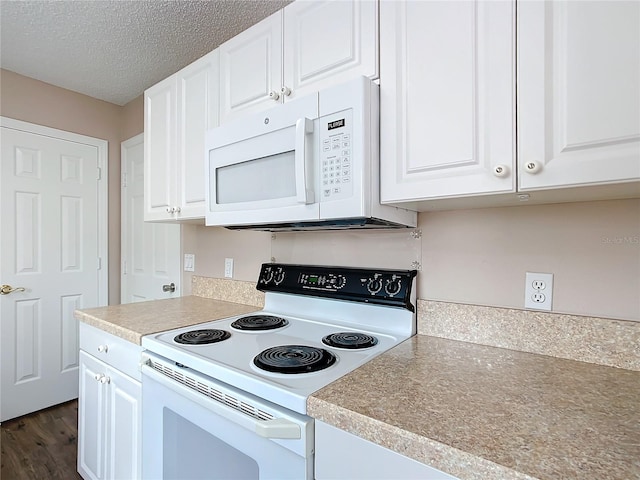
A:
<point x="251" y="69"/>
<point x="447" y="84"/>
<point x="160" y="149"/>
<point x="305" y="47"/>
<point x="198" y="93"/>
<point x="578" y="93"/>
<point x="329" y="42"/>
<point x="447" y="98"/>
<point x="178" y="112"/>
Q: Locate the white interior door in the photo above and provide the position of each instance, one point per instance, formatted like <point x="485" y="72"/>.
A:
<point x="150" y="251"/>
<point x="50" y="248"/>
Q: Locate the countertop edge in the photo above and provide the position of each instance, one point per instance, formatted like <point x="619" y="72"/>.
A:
<point x="117" y="330"/>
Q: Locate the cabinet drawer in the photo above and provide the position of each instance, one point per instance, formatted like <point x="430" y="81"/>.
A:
<point x="114" y="351"/>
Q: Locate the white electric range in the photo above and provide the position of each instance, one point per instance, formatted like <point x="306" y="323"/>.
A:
<point x="248" y="377"/>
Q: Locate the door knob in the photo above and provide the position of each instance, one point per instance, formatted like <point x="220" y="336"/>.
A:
<point x="7" y="289"/>
<point x="169" y="288"/>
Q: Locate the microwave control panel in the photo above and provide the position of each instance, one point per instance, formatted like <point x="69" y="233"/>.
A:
<point x="336" y="155"/>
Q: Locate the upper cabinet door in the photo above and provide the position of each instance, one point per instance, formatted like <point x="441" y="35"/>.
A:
<point x="178" y="112"/>
<point x="251" y="69"/>
<point x="447" y="99"/>
<point x="328" y="42"/>
<point x="198" y="91"/>
<point x="160" y="126"/>
<point x="578" y="93"/>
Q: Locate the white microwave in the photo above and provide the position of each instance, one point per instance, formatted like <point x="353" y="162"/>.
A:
<point x="311" y="163"/>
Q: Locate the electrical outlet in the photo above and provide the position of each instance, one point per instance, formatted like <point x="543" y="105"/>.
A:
<point x="228" y="268"/>
<point x="189" y="262"/>
<point x="538" y="291"/>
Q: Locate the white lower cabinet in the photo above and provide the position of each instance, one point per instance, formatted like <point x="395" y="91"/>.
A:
<point x="341" y="455"/>
<point x="109" y="415"/>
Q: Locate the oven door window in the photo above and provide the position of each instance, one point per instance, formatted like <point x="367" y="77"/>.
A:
<point x="191" y="452"/>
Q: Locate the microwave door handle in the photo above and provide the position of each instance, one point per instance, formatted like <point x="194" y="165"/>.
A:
<point x="304" y="126"/>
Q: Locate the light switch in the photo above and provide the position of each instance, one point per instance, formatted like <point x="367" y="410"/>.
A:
<point x="189" y="262"/>
<point x="228" y="268"/>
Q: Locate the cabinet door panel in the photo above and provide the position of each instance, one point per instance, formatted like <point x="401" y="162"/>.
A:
<point x="578" y="94"/>
<point x="198" y="86"/>
<point x="328" y="42"/>
<point x="160" y="149"/>
<point x="447" y="98"/>
<point x="92" y="435"/>
<point x="124" y="418"/>
<point x="251" y="68"/>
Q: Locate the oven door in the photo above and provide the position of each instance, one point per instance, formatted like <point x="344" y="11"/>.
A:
<point x="262" y="168"/>
<point x="196" y="428"/>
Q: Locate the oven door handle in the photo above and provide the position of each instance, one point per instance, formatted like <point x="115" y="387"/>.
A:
<point x="275" y="428"/>
<point x="304" y="126"/>
<point x="278" y="428"/>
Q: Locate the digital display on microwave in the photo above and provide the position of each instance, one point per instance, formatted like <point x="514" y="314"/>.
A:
<point x="336" y="124"/>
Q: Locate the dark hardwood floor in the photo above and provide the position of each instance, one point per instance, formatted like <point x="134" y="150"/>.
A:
<point x="42" y="445"/>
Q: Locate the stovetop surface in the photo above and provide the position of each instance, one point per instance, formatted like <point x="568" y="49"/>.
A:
<point x="315" y="301"/>
<point x="231" y="360"/>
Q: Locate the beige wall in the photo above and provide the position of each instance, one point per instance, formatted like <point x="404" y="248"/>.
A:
<point x="481" y="256"/>
<point x="212" y="245"/>
<point x="132" y="122"/>
<point x="476" y="256"/>
<point x="29" y="100"/>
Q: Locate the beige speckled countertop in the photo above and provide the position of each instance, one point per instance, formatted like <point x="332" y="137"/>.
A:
<point x="480" y="412"/>
<point x="133" y="320"/>
<point x="477" y="412"/>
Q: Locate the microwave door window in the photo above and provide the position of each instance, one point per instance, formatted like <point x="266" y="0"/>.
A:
<point x="266" y="178"/>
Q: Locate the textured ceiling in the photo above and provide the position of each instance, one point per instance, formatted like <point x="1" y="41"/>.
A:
<point x="115" y="49"/>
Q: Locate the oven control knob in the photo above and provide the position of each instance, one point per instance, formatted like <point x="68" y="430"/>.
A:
<point x="374" y="285"/>
<point x="393" y="286"/>
<point x="267" y="276"/>
<point x="279" y="276"/>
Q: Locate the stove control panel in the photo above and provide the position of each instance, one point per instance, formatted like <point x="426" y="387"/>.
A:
<point x="377" y="286"/>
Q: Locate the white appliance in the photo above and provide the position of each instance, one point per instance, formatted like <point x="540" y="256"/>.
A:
<point x="311" y="163"/>
<point x="235" y="405"/>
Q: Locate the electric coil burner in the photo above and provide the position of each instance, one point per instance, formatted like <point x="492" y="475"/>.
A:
<point x="350" y="340"/>
<point x="259" y="323"/>
<point x="294" y="359"/>
<point x="202" y="337"/>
